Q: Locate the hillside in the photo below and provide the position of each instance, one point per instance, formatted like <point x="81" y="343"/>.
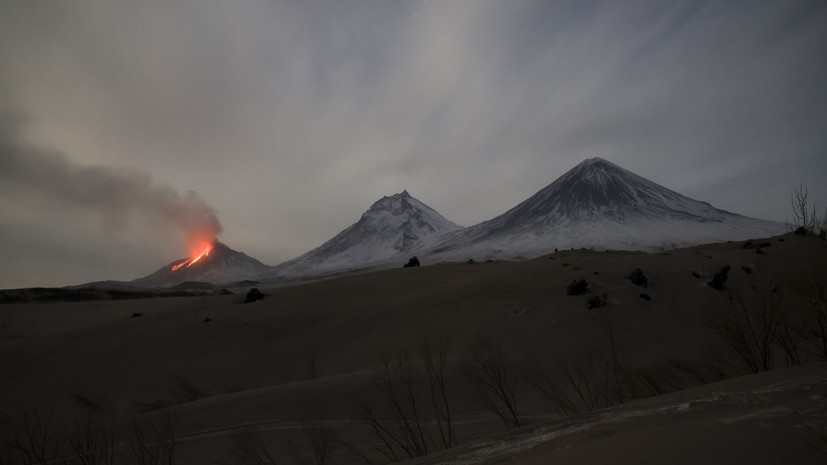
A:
<point x="309" y="353"/>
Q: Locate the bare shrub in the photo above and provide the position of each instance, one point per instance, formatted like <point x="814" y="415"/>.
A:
<point x="322" y="441"/>
<point x="249" y="449"/>
<point x="494" y="381"/>
<point x="414" y="394"/>
<point x="812" y="298"/>
<point x="93" y="441"/>
<point x="152" y="439"/>
<point x="402" y="434"/>
<point x="750" y="328"/>
<point x="597" y="376"/>
<point x="33" y="440"/>
<point x="434" y="357"/>
<point x="805" y="217"/>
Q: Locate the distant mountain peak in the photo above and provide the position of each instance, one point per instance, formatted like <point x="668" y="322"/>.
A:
<point x="393" y="227"/>
<point x="599" y="204"/>
<point x="219" y="265"/>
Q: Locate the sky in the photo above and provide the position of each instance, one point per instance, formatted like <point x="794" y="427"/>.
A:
<point x="278" y="123"/>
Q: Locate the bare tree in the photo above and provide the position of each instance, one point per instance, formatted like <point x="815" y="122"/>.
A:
<point x="34" y="440"/>
<point x="93" y="441"/>
<point x="401" y="435"/>
<point x="413" y="397"/>
<point x="804" y="215"/>
<point x="322" y="441"/>
<point x="249" y="449"/>
<point x="551" y="386"/>
<point x="812" y="288"/>
<point x="152" y="441"/>
<point x="494" y="381"/>
<point x="599" y="375"/>
<point x="434" y="357"/>
<point x="750" y="328"/>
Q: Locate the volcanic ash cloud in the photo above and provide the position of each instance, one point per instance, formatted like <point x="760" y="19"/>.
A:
<point x="114" y="193"/>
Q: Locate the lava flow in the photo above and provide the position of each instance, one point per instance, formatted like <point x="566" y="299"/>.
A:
<point x="190" y="261"/>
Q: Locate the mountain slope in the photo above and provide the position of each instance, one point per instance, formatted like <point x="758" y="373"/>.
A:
<point x="220" y="264"/>
<point x="600" y="205"/>
<point x="392" y="228"/>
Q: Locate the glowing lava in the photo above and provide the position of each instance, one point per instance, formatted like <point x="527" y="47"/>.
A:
<point x="205" y="252"/>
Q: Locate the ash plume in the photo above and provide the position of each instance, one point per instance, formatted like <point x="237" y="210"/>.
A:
<point x="112" y="192"/>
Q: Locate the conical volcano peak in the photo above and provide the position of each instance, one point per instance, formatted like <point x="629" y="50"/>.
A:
<point x="595" y="161"/>
<point x="391" y="229"/>
<point x="597" y="166"/>
<point x="216" y="263"/>
<point x="396" y="204"/>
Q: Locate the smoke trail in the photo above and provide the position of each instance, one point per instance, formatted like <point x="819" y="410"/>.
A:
<point x="114" y="193"/>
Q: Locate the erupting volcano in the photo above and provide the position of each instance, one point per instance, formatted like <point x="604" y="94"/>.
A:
<point x="209" y="261"/>
<point x="188" y="262"/>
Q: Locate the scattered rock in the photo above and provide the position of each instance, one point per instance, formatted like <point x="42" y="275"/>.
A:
<point x="719" y="278"/>
<point x="638" y="278"/>
<point x="759" y="251"/>
<point x="577" y="287"/>
<point x="597" y="301"/>
<point x="470" y="261"/>
<point x="747" y="269"/>
<point x="801" y="231"/>
<point x="565" y="264"/>
<point x="207" y="320"/>
<point x="646" y="297"/>
<point x="253" y="295"/>
<point x="137" y="314"/>
<point x="765" y="244"/>
<point x="696" y="274"/>
<point x="596" y="272"/>
<point x="748" y="245"/>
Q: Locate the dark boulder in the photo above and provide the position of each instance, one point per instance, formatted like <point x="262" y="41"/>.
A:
<point x="719" y="278"/>
<point x="638" y="278"/>
<point x="253" y="295"/>
<point x="577" y="287"/>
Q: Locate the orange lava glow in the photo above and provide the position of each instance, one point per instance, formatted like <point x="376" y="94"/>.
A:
<point x="204" y="252"/>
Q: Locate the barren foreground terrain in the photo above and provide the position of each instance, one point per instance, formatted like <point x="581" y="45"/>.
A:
<point x="646" y="375"/>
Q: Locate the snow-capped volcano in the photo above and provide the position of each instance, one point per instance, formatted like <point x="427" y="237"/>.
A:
<point x="392" y="228"/>
<point x="598" y="204"/>
<point x="218" y="264"/>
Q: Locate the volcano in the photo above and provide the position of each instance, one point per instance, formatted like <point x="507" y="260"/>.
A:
<point x="215" y="263"/>
<point x="391" y="230"/>
<point x="600" y="205"/>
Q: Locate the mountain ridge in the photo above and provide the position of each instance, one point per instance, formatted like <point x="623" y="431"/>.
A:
<point x="600" y="205"/>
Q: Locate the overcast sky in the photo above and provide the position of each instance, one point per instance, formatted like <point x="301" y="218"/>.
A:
<point x="290" y="118"/>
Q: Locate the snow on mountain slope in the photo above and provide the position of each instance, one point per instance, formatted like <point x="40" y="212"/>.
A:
<point x="221" y="265"/>
<point x="391" y="229"/>
<point x="600" y="205"/>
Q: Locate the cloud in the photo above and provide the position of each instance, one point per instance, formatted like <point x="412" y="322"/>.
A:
<point x="113" y="193"/>
<point x="294" y="117"/>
